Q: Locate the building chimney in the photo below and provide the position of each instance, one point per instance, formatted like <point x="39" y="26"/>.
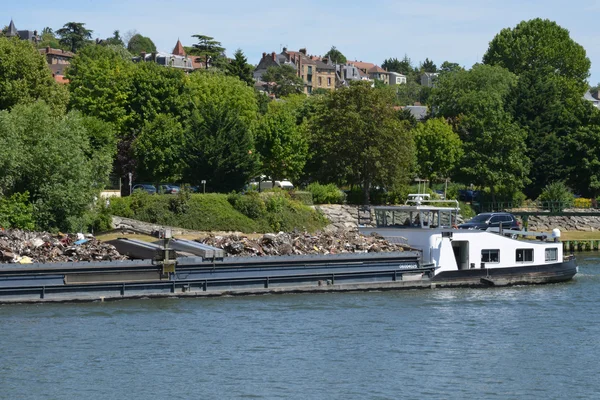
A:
<point x="274" y="56"/>
<point x="285" y="49"/>
<point x="303" y="51"/>
<point x="264" y="54"/>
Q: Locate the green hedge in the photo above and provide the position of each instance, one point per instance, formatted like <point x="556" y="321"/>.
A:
<point x="326" y="194"/>
<point x="252" y="212"/>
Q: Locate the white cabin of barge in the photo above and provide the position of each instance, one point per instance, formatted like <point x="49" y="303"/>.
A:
<point x="430" y="226"/>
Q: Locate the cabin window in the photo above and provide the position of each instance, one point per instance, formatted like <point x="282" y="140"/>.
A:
<point x="552" y="254"/>
<point x="490" y="256"/>
<point x="524" y="255"/>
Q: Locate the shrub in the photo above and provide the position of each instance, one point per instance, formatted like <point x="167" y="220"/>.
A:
<point x="377" y="196"/>
<point x="17" y="212"/>
<point x="249" y="204"/>
<point x="121" y="206"/>
<point x="303" y="197"/>
<point x="556" y="196"/>
<point x="179" y="203"/>
<point x="326" y="194"/>
<point x="466" y="210"/>
<point x="284" y="214"/>
<point x="582" y="203"/>
<point x="272" y="211"/>
<point x="94" y="221"/>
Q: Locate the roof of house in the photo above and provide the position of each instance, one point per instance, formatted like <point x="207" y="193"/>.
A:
<point x="12" y="31"/>
<point x="323" y="65"/>
<point x="167" y="60"/>
<point x="268" y="60"/>
<point x="396" y="73"/>
<point x="56" y="52"/>
<point x="588" y="96"/>
<point x="362" y="65"/>
<point x="376" y="69"/>
<point x="178" y="50"/>
<point x="419" y="112"/>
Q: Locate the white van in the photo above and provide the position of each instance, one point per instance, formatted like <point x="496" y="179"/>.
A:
<point x="267" y="183"/>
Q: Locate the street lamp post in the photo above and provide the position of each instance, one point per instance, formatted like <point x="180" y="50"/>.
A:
<point x="203" y="182"/>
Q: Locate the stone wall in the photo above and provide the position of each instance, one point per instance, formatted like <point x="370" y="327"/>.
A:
<point x="346" y="217"/>
<point x="340" y="216"/>
<point x="567" y="223"/>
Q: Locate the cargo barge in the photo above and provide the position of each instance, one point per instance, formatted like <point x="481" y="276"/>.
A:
<point x="443" y="257"/>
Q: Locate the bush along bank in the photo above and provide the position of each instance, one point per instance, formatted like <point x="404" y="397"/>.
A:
<point x="272" y="211"/>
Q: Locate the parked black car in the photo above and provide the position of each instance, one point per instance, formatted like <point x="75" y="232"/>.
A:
<point x="146" y="187"/>
<point x="492" y="220"/>
<point x="168" y="189"/>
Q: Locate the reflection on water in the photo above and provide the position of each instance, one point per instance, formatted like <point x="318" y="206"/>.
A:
<point x="520" y="342"/>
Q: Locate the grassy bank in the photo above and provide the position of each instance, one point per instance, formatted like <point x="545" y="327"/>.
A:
<point x="254" y="212"/>
<point x="579" y="235"/>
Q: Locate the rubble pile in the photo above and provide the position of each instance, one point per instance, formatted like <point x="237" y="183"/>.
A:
<point x="301" y="243"/>
<point x="23" y="247"/>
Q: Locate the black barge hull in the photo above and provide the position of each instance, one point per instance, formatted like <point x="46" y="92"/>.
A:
<point x="253" y="276"/>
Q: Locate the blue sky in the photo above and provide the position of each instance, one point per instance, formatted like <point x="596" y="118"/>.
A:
<point x="458" y="31"/>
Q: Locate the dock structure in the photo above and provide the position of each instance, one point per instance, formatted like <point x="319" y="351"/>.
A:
<point x="581" y="245"/>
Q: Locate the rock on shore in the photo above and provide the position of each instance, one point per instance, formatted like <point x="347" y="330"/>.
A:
<point x="17" y="246"/>
<point x="23" y="247"/>
<point x="302" y="243"/>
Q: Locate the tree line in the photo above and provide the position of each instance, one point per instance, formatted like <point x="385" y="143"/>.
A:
<point x="512" y="124"/>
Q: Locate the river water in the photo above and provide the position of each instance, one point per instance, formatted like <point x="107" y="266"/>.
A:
<point x="534" y="342"/>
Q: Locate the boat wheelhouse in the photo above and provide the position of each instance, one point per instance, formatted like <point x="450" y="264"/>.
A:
<point x="496" y="256"/>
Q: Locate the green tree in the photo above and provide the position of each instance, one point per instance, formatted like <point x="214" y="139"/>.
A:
<point x="448" y="66"/>
<point x="140" y="44"/>
<point x="357" y="139"/>
<point x="62" y="162"/>
<point x="540" y="46"/>
<point x="403" y="66"/>
<point x="428" y="66"/>
<point x="114" y="40"/>
<point x="282" y="143"/>
<point x="74" y="35"/>
<point x="25" y="77"/>
<point x="158" y="149"/>
<point x="100" y="82"/>
<point x="439" y="149"/>
<point x="552" y="70"/>
<point x="336" y="56"/>
<point x="48" y="39"/>
<point x="210" y="50"/>
<point x="156" y="90"/>
<point x="583" y="151"/>
<point x="409" y="93"/>
<point x="219" y="136"/>
<point x="286" y="80"/>
<point x="239" y="67"/>
<point x="478" y="103"/>
<point x="219" y="149"/>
